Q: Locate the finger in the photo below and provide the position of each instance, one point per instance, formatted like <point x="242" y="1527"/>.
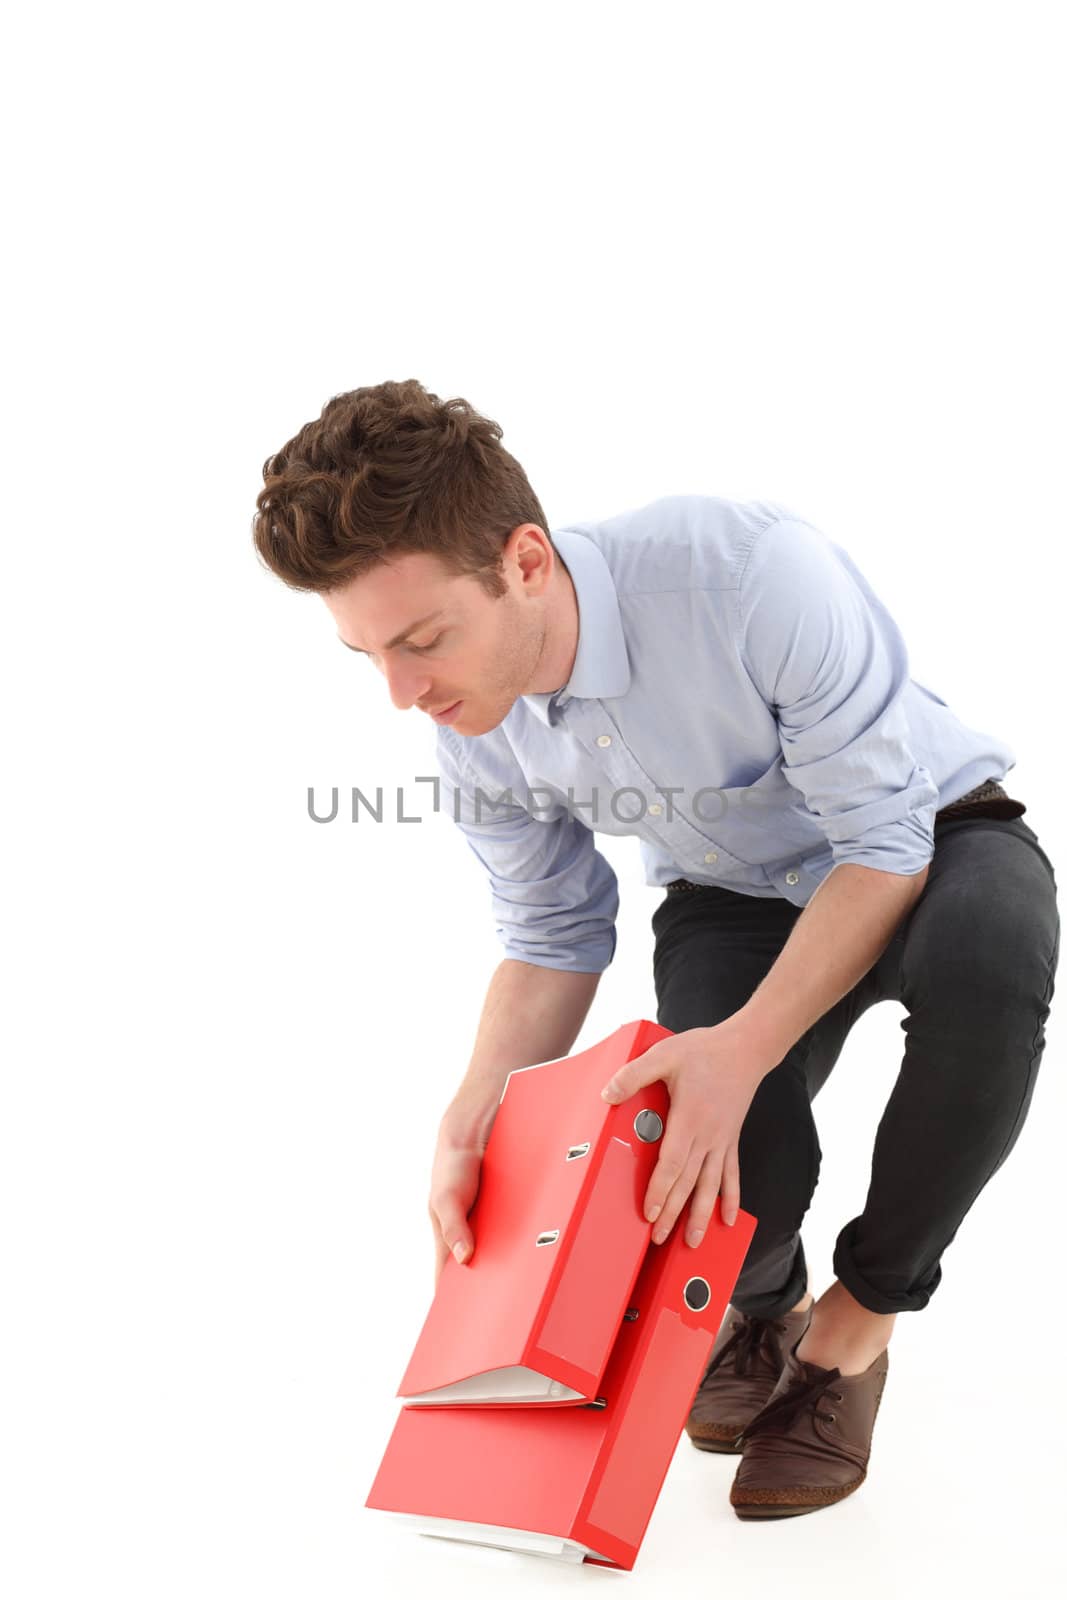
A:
<point x="679" y="1194"/>
<point x="730" y="1189"/>
<point x="634" y="1075"/>
<point x="703" y="1202"/>
<point x="454" y="1228"/>
<point x="673" y="1156"/>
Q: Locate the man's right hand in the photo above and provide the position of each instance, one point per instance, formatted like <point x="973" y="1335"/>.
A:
<point x="454" y="1187"/>
<point x="532" y="1014"/>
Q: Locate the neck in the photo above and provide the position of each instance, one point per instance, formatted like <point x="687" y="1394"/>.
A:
<point x="560" y="645"/>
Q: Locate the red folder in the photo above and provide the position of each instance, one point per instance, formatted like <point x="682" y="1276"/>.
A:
<point x="551" y="1380"/>
<point x="578" y="1483"/>
<point x="559" y="1237"/>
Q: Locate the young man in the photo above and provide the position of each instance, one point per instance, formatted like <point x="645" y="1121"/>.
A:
<point x="720" y="680"/>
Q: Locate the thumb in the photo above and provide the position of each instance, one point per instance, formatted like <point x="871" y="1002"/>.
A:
<point x="634" y="1075"/>
<point x="456" y="1233"/>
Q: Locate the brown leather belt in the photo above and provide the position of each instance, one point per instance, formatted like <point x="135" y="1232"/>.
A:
<point x="988" y="800"/>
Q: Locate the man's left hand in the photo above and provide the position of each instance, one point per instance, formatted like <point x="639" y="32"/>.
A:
<point x="711" y="1075"/>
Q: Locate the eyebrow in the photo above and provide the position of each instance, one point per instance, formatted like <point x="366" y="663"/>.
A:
<point x="411" y="628"/>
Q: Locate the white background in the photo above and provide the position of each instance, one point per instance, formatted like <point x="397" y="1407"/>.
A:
<point x="810" y="252"/>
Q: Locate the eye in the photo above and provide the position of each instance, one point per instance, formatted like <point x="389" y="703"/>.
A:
<point x="419" y="648"/>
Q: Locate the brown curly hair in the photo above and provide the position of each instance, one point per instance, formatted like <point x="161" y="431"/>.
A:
<point x="385" y="470"/>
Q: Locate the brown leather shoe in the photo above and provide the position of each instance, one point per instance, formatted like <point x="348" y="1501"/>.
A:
<point x="810" y="1445"/>
<point x="746" y="1362"/>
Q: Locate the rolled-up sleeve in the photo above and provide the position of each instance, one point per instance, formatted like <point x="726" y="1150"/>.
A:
<point x="554" y="896"/>
<point x="831" y="663"/>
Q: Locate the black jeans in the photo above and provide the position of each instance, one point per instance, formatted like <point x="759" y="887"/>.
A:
<point x="974" y="964"/>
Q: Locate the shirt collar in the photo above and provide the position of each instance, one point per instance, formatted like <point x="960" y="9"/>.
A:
<point x="601" y="668"/>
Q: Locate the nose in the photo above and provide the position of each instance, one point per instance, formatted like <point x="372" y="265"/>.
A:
<point x="407" y="683"/>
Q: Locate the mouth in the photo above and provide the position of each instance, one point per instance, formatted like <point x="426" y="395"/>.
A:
<point x="447" y="712"/>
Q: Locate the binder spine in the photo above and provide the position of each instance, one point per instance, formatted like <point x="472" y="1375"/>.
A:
<point x="592" y="1286"/>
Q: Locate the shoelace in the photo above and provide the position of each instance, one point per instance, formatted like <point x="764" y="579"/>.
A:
<point x="744" y="1344"/>
<point x="802" y="1392"/>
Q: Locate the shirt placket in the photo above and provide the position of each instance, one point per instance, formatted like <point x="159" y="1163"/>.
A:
<point x="599" y="735"/>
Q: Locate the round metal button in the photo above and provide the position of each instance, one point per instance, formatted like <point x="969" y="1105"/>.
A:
<point x="648" y="1126"/>
<point x="792" y="877"/>
<point x="604" y="740"/>
<point x="696" y="1294"/>
<point x="712" y="856"/>
<point x="655" y="809"/>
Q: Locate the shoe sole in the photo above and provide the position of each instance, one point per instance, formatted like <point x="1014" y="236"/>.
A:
<point x="769" y="1513"/>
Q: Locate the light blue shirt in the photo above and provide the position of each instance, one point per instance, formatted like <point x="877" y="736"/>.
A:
<point x="740" y="700"/>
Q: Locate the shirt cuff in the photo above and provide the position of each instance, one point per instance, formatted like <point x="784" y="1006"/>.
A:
<point x="594" y="954"/>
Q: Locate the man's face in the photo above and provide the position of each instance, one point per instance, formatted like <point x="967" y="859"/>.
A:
<point x="460" y="645"/>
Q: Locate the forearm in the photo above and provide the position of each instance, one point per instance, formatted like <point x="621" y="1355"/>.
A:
<point x="839" y="935"/>
<point x="530" y="1014"/>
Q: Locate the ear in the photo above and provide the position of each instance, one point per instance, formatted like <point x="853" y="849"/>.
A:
<point x="533" y="553"/>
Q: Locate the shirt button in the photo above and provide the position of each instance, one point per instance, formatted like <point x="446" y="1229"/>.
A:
<point x="654" y="810"/>
<point x="711" y="857"/>
<point x="604" y="740"/>
<point x="792" y="877"/>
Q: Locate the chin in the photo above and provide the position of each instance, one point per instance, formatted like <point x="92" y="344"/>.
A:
<point x="473" y="723"/>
